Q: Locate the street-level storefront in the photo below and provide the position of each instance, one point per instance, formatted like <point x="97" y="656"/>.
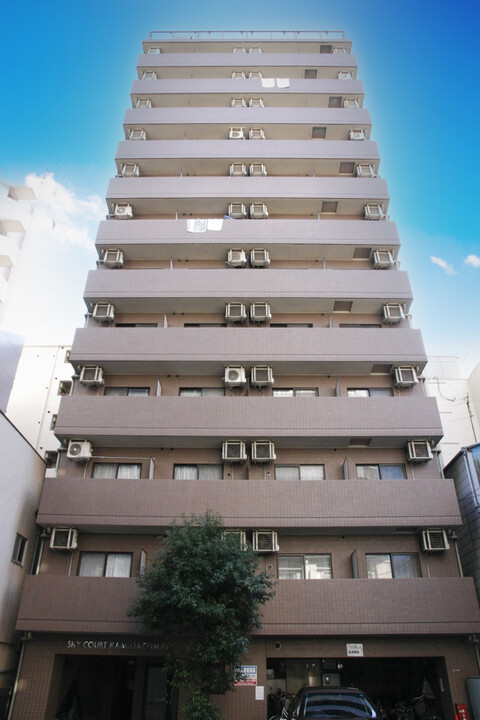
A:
<point x="104" y="677"/>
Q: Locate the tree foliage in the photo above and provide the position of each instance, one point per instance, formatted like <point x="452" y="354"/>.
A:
<point x="202" y="596"/>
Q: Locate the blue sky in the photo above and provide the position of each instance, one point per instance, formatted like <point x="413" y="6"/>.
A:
<point x="67" y="72"/>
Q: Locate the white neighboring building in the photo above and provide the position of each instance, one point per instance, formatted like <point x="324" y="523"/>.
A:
<point x="458" y="398"/>
<point x="43" y="375"/>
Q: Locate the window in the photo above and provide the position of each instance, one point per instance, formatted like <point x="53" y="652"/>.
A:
<point x="342" y="306"/>
<point x="347" y="168"/>
<point x="105" y="564"/>
<point x="300" y="472"/>
<point x="381" y="472"/>
<point x="329" y="206"/>
<point x="131" y="471"/>
<point x="19" y="549"/>
<point x="124" y="391"/>
<point x="65" y="387"/>
<point x="118" y="324"/>
<point x="325" y="49"/>
<point x="393" y="565"/>
<point x="204" y="324"/>
<point x="201" y="392"/>
<point x="369" y="392"/>
<point x="304" y="567"/>
<point x="198" y="472"/>
<point x="295" y="392"/>
<point x="282" y="325"/>
<point x="310" y="74"/>
<point x="360" y="325"/>
<point x="334" y="102"/>
<point x="319" y="132"/>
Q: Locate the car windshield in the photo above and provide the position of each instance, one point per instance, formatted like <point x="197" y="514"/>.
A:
<point x="338" y="705"/>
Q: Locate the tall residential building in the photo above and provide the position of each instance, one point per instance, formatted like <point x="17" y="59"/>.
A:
<point x="249" y="351"/>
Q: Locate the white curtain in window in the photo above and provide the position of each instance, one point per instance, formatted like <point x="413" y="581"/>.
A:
<point x="213" y="391"/>
<point x="190" y="392"/>
<point x="129" y="470"/>
<point x="318" y="567"/>
<point x="368" y="472"/>
<point x="312" y="472"/>
<point x="185" y="472"/>
<point x="379" y="566"/>
<point x="210" y="472"/>
<point x="115" y="391"/>
<point x="283" y="393"/>
<point x="91" y="564"/>
<point x="287" y="472"/>
<point x="104" y="470"/>
<point x="290" y="567"/>
<point x="118" y="565"/>
<point x="138" y="391"/>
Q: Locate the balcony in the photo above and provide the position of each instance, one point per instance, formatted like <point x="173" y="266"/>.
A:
<point x="284" y="239"/>
<point x="279" y="64"/>
<point x="284" y="196"/>
<point x="294" y="123"/>
<point x="287" y="290"/>
<point x="207" y="351"/>
<point x="345" y="506"/>
<point x="323" y="422"/>
<point x="213" y="157"/>
<point x="218" y="91"/>
<point x="57" y="603"/>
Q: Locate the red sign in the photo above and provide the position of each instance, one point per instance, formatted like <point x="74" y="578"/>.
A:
<point x="462" y="711"/>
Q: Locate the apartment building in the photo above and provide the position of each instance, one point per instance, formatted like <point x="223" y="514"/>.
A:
<point x="249" y="350"/>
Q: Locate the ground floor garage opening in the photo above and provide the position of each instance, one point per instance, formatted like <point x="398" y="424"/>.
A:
<point x="114" y="688"/>
<point x="387" y="681"/>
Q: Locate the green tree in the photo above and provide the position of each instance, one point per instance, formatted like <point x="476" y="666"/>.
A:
<point x="202" y="596"/>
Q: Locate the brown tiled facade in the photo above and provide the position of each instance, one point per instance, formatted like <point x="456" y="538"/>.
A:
<point x="194" y="350"/>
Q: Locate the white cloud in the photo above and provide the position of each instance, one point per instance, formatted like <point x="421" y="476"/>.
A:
<point x="449" y="269"/>
<point x="60" y="215"/>
<point x="472" y="260"/>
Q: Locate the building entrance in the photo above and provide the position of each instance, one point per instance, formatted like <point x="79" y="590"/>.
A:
<point x="387" y="681"/>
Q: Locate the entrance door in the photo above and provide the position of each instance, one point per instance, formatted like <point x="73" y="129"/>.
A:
<point x="156" y="693"/>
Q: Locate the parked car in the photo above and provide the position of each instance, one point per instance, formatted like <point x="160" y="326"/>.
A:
<point x="329" y="703"/>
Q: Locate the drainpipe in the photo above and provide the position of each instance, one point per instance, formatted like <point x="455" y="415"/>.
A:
<point x="23" y="640"/>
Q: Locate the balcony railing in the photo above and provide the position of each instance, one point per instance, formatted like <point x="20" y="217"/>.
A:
<point x="247" y="35"/>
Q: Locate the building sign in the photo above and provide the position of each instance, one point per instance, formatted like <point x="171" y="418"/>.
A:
<point x="97" y="645"/>
<point x="354" y="649"/>
<point x="249" y="675"/>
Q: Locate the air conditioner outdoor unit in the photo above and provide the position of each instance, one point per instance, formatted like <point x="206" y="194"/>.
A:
<point x="236" y="312"/>
<point x="344" y="75"/>
<point x="382" y="260"/>
<point x="238" y="169"/>
<point x="154" y="50"/>
<point x="374" y="212"/>
<point x="339" y="49"/>
<point x="256" y="102"/>
<point x="255" y="75"/>
<point x="265" y="541"/>
<point x="393" y="313"/>
<point x="256" y="134"/>
<point x="123" y="211"/>
<point x="351" y="103"/>
<point x="258" y="211"/>
<point x="113" y="258"/>
<point x="257" y="169"/>
<point x="91" y="375"/>
<point x="137" y="134"/>
<point x="103" y="312"/>
<point x="235" y="376"/>
<point x="255" y="49"/>
<point x="236" y="133"/>
<point x="357" y="135"/>
<point x="405" y="377"/>
<point x="367" y="171"/>
<point x="263" y="451"/>
<point x="236" y="258"/>
<point x="260" y="312"/>
<point x="259" y="257"/>
<point x="64" y="538"/>
<point x="238" y="102"/>
<point x="79" y="450"/>
<point x="238" y="536"/>
<point x="419" y="451"/>
<point x="143" y="103"/>
<point x="434" y="540"/>
<point x="233" y="451"/>
<point x="238" y="75"/>
<point x="149" y="75"/>
<point x="238" y="211"/>
<point x="261" y="376"/>
<point x="239" y="49"/>
<point x="130" y="170"/>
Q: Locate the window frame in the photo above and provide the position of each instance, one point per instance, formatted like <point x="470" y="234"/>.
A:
<point x="197" y="466"/>
<point x="303" y="392"/>
<point x="380" y="466"/>
<point x="303" y="557"/>
<point x="19" y="549"/>
<point x="393" y="570"/>
<point x="106" y="554"/>
<point x="299" y="467"/>
<point x="388" y="391"/>
<point x="202" y="393"/>
<point x="118" y="465"/>
<point x="129" y="391"/>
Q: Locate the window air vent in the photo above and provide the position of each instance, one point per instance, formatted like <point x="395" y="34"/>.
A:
<point x="434" y="540"/>
<point x="351" y="103"/>
<point x="265" y="541"/>
<point x="236" y="133"/>
<point x="64" y="539"/>
<point x="255" y="102"/>
<point x="261" y="376"/>
<point x="374" y="212"/>
<point x="382" y="260"/>
<point x="238" y="169"/>
<point x="405" y="377"/>
<point x="419" y="451"/>
<point x="113" y="258"/>
<point x="357" y="135"/>
<point x="238" y="75"/>
<point x="258" y="211"/>
<point x="367" y="171"/>
<point x="143" y="103"/>
<point x="137" y="134"/>
<point x="149" y="75"/>
<point x="238" y="536"/>
<point x="236" y="258"/>
<point x="342" y="75"/>
<point x="103" y="312"/>
<point x="393" y="314"/>
<point x="260" y="312"/>
<point x="233" y="451"/>
<point x="91" y="375"/>
<point x="238" y="211"/>
<point x="259" y="257"/>
<point x="238" y="102"/>
<point x="130" y="170"/>
<point x="258" y="169"/>
<point x="236" y="312"/>
<point x="256" y="134"/>
<point x="263" y="451"/>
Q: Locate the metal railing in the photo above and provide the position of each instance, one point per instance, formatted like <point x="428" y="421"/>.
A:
<point x="247" y="35"/>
